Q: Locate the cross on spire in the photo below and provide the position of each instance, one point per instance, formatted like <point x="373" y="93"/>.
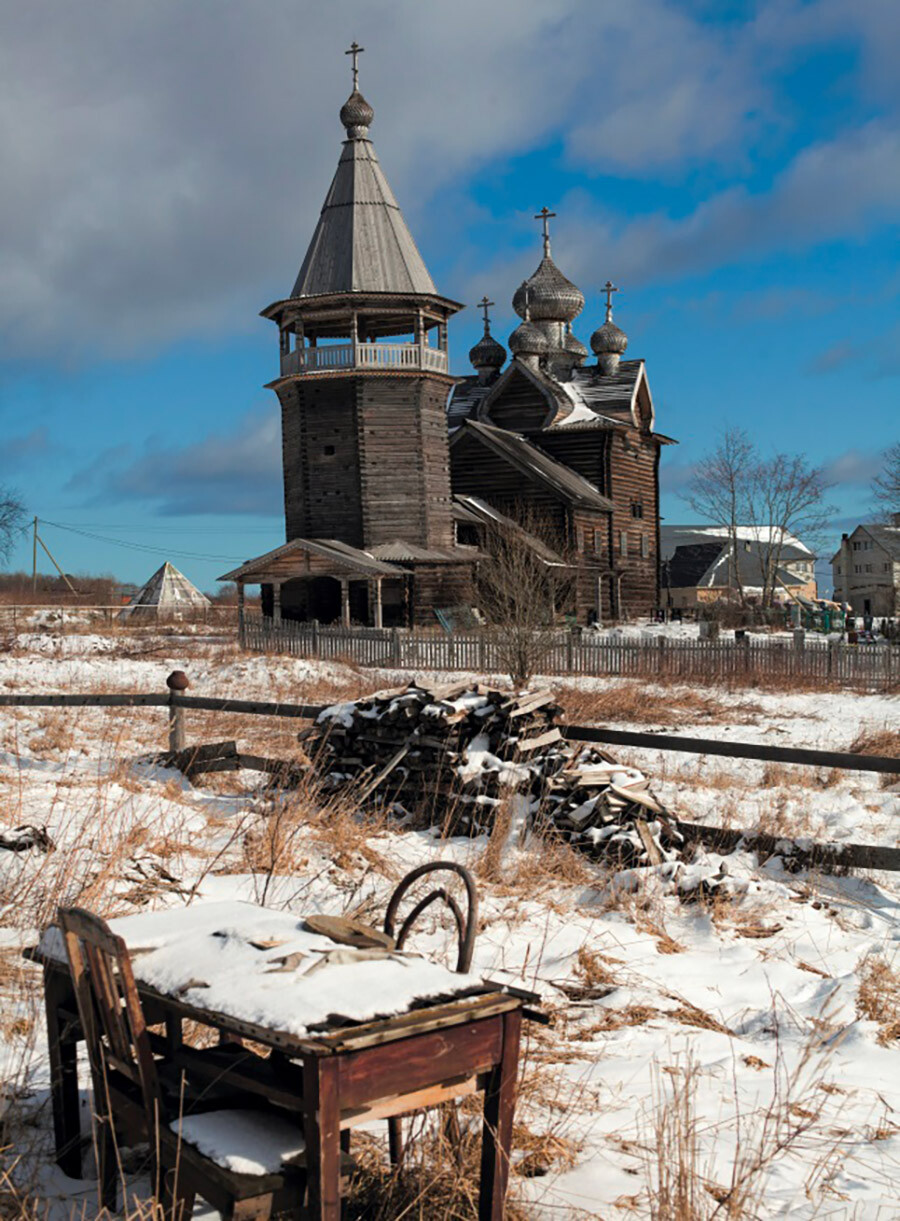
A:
<point x="544" y="215"/>
<point x="484" y="305"/>
<point x="355" y="50"/>
<point x="609" y="288"/>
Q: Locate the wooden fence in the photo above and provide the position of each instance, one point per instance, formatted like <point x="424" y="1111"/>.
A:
<point x="572" y="653"/>
<point x="225" y="756"/>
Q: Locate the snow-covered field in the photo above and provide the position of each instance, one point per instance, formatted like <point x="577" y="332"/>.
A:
<point x="751" y="1041"/>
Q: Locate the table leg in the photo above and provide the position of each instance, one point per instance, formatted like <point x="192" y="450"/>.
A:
<point x="63" y="1049"/>
<point x="321" y="1131"/>
<point x="499" y="1107"/>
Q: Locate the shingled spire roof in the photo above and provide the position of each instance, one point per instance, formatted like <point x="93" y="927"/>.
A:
<point x="361" y="243"/>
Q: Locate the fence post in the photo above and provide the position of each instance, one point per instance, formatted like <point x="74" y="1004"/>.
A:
<point x="832" y="654"/>
<point x="570" y="650"/>
<point x="177" y="682"/>
<point x="314" y="641"/>
<point x="661" y="656"/>
<point x="395" y="646"/>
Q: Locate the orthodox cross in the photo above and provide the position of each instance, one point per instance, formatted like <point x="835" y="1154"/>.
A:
<point x="484" y="305"/>
<point x="609" y="288"/>
<point x="355" y="50"/>
<point x="544" y="215"/>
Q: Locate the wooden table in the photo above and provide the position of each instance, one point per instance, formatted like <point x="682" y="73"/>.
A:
<point x="337" y="1078"/>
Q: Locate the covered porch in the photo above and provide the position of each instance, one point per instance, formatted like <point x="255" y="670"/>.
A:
<point x="325" y="580"/>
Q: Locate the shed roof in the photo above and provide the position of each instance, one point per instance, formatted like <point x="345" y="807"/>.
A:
<point x="534" y="463"/>
<point x="361" y="242"/>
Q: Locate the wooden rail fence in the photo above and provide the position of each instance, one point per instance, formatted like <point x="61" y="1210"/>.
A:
<point x="591" y="655"/>
<point x="225" y="757"/>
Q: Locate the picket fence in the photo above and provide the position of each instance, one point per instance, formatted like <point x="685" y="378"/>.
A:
<point x="867" y="666"/>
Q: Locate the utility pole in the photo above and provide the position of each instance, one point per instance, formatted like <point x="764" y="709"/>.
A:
<point x="34" y="562"/>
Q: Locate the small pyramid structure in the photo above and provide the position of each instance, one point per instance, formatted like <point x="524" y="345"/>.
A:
<point x="167" y="595"/>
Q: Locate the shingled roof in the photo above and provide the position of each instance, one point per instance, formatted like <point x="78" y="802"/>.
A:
<point x="361" y="242"/>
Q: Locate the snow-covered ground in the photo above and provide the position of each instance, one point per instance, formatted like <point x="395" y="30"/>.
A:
<point x="766" y="1015"/>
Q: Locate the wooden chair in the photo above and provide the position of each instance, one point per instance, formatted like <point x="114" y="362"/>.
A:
<point x="129" y="1095"/>
<point x="466" y="930"/>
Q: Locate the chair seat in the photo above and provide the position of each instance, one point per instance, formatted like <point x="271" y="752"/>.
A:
<point x="243" y="1142"/>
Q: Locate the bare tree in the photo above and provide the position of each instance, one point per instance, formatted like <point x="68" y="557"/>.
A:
<point x="719" y="492"/>
<point x="787" y="498"/>
<point x="521" y="589"/>
<point x="886" y="485"/>
<point x="12" y="520"/>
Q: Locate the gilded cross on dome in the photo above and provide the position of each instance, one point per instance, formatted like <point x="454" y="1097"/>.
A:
<point x="544" y="215"/>
<point x="355" y="50"/>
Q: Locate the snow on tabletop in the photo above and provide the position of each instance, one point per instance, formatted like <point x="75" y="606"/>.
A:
<point x="245" y="1142"/>
<point x="209" y="955"/>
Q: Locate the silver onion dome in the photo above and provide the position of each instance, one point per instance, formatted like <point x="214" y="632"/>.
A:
<point x="575" y="347"/>
<point x="487" y="353"/>
<point x="551" y="297"/>
<point x="357" y="115"/>
<point x="528" y="340"/>
<point x="609" y="339"/>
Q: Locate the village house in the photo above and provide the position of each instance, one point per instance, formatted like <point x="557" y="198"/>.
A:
<point x="700" y="566"/>
<point x="393" y="466"/>
<point x="866" y="569"/>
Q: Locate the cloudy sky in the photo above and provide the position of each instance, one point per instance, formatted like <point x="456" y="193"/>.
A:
<point x="734" y="167"/>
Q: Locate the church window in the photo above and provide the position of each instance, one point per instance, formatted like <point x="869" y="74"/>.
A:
<point x="856" y="546"/>
<point x="887" y="568"/>
<point x="328" y="451"/>
<point x="838" y="570"/>
<point x="637" y="508"/>
<point x="645" y="546"/>
<point x="623" y="542"/>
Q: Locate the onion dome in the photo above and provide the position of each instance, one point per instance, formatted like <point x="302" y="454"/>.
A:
<point x="487" y="353"/>
<point x="357" y="115"/>
<point x="551" y="296"/>
<point x="575" y="347"/>
<point x="609" y="339"/>
<point x="528" y="340"/>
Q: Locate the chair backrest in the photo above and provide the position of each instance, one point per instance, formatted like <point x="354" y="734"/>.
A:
<point x="466" y="925"/>
<point x="109" y="1008"/>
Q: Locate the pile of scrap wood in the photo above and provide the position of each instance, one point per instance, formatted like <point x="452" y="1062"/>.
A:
<point x="455" y="753"/>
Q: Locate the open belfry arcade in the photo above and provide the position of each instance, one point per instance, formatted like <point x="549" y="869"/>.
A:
<point x="397" y="473"/>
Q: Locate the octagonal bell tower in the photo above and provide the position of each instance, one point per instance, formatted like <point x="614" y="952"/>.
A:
<point x="364" y="375"/>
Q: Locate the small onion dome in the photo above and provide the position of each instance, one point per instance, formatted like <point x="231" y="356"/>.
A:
<point x="487" y="353"/>
<point x="528" y="340"/>
<point x="357" y="114"/>
<point x="609" y="340"/>
<point x="575" y="347"/>
<point x="548" y="295"/>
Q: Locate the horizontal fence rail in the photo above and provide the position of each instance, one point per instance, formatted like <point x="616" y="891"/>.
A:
<point x="571" y="653"/>
<point x="845" y="760"/>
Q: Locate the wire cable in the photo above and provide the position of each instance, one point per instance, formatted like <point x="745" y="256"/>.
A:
<point x="146" y="547"/>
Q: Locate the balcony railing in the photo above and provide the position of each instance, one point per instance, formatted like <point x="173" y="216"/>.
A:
<point x="364" y="356"/>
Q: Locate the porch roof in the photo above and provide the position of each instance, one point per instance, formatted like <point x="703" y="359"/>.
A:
<point x="311" y="557"/>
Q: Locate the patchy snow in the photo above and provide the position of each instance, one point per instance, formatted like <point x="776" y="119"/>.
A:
<point x="245" y="1142"/>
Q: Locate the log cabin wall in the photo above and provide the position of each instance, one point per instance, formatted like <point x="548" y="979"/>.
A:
<point x="477" y="471"/>
<point x="520" y="406"/>
<point x="583" y="450"/>
<point x="633" y="489"/>
<point x="366" y="459"/>
<point x="590" y="536"/>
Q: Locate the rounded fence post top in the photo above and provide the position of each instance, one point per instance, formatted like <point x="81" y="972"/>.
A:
<point x="177" y="681"/>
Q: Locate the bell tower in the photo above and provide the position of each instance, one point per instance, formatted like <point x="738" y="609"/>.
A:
<point x="364" y="375"/>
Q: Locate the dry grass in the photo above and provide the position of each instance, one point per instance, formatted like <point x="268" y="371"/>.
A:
<point x="630" y="702"/>
<point x="878" y="998"/>
<point x="884" y="741"/>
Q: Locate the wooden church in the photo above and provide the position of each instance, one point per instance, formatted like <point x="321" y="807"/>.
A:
<point x="394" y="469"/>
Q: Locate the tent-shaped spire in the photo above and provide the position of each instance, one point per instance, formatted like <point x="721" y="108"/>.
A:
<point x="167" y="594"/>
<point x="361" y="243"/>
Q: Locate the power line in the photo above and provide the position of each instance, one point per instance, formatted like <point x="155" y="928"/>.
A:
<point x="146" y="547"/>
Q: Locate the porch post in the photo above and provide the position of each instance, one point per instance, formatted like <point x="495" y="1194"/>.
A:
<point x="276" y="602"/>
<point x="240" y="596"/>
<point x="377" y="604"/>
<point x="600" y="601"/>
<point x="345" y="601"/>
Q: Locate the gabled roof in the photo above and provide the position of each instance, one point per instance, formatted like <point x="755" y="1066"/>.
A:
<point x="361" y="242"/>
<point x="400" y="551"/>
<point x="561" y="480"/>
<point x="167" y="590"/>
<point x="702" y="561"/>
<point x="671" y="537"/>
<point x="283" y="560"/>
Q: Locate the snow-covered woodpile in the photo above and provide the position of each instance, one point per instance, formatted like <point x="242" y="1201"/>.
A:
<point x="455" y="754"/>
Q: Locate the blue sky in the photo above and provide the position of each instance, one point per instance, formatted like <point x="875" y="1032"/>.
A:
<point x="734" y="167"/>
